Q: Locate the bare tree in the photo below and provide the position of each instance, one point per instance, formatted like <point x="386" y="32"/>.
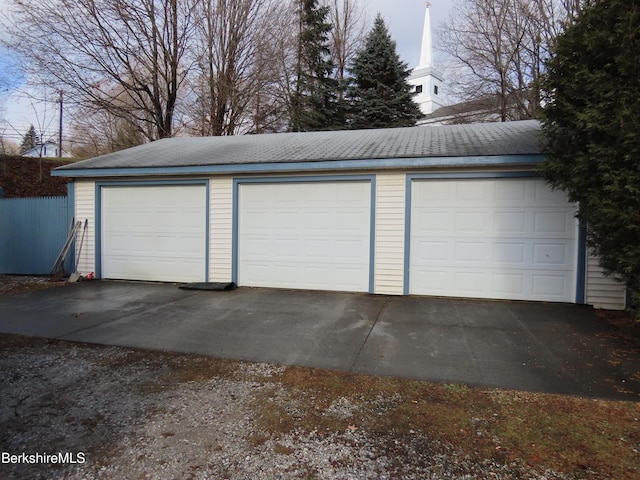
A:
<point x="500" y="47"/>
<point x="269" y="105"/>
<point x="97" y="132"/>
<point x="286" y="59"/>
<point x="96" y="49"/>
<point x="349" y="28"/>
<point x="234" y="68"/>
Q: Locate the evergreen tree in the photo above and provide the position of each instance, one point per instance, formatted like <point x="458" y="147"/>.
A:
<point x="314" y="103"/>
<point x="379" y="94"/>
<point x="591" y="123"/>
<point x="30" y="140"/>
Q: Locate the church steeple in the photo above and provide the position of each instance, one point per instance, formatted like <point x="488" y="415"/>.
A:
<point x="426" y="80"/>
<point x="426" y="53"/>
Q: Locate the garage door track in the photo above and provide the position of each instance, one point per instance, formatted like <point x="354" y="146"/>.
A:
<point x="556" y="348"/>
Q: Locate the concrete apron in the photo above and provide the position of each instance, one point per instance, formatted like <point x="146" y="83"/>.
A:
<point x="555" y="348"/>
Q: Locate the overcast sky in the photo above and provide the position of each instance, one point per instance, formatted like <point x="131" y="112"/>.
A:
<point x="404" y="18"/>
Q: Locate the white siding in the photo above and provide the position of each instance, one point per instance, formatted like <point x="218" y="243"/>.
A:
<point x="221" y="229"/>
<point x="602" y="291"/>
<point x="389" y="241"/>
<point x="85" y="192"/>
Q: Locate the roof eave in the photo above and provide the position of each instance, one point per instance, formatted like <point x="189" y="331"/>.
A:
<point x="309" y="166"/>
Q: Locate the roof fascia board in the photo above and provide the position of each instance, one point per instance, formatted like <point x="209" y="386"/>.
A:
<point x="379" y="163"/>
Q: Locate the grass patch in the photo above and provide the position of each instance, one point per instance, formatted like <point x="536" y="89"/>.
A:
<point x="570" y="434"/>
<point x="592" y="438"/>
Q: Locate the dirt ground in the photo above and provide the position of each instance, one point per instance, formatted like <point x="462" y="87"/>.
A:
<point x="109" y="412"/>
<point x="14" y="284"/>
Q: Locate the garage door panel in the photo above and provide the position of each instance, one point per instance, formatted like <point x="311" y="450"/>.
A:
<point x="432" y="251"/>
<point x="346" y="277"/>
<point x="347" y="194"/>
<point x="493" y="250"/>
<point x="551" y="222"/>
<point x="155" y="233"/>
<point x="512" y="253"/>
<point x="312" y="235"/>
<point x="470" y="282"/>
<point x="260" y="249"/>
<point x="317" y="249"/>
<point x="550" y="285"/>
<point x="257" y="220"/>
<point x="436" y="221"/>
<point x="473" y="252"/>
<point x="434" y="279"/>
<point x="352" y="221"/>
<point x="551" y="254"/>
<point x="510" y="222"/>
<point x="438" y="196"/>
<point x="471" y="193"/>
<point x="285" y="221"/>
<point x="507" y="285"/>
<point x="471" y="222"/>
<point x="313" y="221"/>
<point x="511" y="193"/>
<point x="351" y="250"/>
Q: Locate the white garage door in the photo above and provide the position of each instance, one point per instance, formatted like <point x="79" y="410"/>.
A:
<point x="155" y="233"/>
<point x="313" y="235"/>
<point x="492" y="238"/>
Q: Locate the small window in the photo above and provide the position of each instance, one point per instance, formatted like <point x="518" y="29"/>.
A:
<point x="418" y="88"/>
<point x="435" y="89"/>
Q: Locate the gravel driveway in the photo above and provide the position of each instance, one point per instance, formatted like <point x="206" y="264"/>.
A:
<point x="135" y="414"/>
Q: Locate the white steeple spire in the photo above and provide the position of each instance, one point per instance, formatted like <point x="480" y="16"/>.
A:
<point x="426" y="54"/>
<point x="426" y="80"/>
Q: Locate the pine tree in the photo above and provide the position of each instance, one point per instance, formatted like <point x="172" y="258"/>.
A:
<point x="379" y="93"/>
<point x="314" y="103"/>
<point x="30" y="140"/>
<point x="591" y="124"/>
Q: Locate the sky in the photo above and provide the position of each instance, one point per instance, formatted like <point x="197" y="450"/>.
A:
<point x="404" y="19"/>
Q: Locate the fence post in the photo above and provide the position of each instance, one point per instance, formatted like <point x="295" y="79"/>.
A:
<point x="70" y="199"/>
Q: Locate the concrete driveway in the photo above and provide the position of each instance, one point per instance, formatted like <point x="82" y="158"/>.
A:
<point x="553" y="348"/>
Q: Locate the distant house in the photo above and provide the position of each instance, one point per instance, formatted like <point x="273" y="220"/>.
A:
<point x="479" y="110"/>
<point x="46" y="150"/>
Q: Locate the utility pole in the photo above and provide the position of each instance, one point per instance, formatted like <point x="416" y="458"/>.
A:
<point x="60" y="128"/>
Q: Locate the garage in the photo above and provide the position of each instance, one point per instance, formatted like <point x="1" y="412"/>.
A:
<point x="306" y="235"/>
<point x="154" y="232"/>
<point x="501" y="238"/>
<point x="449" y="210"/>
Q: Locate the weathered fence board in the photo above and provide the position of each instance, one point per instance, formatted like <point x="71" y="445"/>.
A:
<point x="32" y="233"/>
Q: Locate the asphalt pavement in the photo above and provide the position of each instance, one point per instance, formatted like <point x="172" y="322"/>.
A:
<point x="541" y="347"/>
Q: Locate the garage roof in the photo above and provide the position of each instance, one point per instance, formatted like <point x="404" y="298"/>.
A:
<point x="484" y="143"/>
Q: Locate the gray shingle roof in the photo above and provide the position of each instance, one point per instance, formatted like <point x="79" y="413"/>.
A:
<point x="474" y="140"/>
